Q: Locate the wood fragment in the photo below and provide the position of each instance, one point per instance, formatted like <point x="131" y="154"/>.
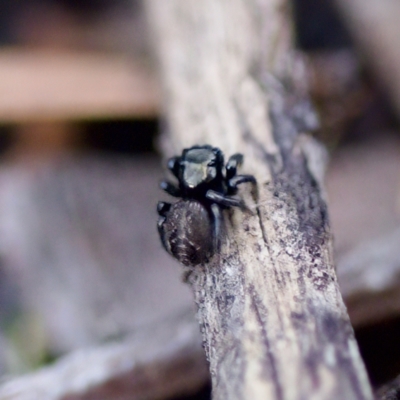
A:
<point x="369" y="279"/>
<point x="273" y="321"/>
<point x="41" y="85"/>
<point x="158" y="362"/>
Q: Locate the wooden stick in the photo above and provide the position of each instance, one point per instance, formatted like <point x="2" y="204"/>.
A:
<point x="273" y="321"/>
<point x="157" y="362"/>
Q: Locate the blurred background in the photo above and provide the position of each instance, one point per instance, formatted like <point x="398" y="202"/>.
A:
<point x="80" y="261"/>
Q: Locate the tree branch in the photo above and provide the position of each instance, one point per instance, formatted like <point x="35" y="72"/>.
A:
<point x="273" y="321"/>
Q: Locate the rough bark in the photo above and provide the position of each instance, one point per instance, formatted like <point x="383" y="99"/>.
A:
<point x="390" y="391"/>
<point x="273" y="321"/>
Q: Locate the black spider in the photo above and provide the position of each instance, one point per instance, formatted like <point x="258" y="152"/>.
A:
<point x="190" y="229"/>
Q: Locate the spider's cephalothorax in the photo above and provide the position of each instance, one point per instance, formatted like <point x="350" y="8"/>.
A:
<point x="190" y="229"/>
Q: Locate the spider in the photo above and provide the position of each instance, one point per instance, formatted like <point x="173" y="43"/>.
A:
<point x="190" y="229"/>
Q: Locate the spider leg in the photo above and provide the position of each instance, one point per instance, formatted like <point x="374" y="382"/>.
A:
<point x="232" y="165"/>
<point x="173" y="165"/>
<point x="239" y="179"/>
<point x="162" y="209"/>
<point x="170" y="189"/>
<point x="218" y="220"/>
<point x="226" y="201"/>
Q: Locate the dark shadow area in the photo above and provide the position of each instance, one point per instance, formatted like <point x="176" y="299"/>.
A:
<point x="203" y="394"/>
<point x="122" y="137"/>
<point x="318" y="26"/>
<point x="7" y="138"/>
<point x="380" y="349"/>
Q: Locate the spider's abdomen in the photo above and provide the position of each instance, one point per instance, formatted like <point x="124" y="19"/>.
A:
<point x="187" y="232"/>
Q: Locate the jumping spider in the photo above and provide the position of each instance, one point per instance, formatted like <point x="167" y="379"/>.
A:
<point x="190" y="229"/>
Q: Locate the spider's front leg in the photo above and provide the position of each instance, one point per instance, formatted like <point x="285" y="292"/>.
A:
<point x="174" y="165"/>
<point x="218" y="223"/>
<point x="237" y="180"/>
<point x="162" y="209"/>
<point x="233" y="180"/>
<point x="232" y="165"/>
<point x="170" y="189"/>
<point x="224" y="200"/>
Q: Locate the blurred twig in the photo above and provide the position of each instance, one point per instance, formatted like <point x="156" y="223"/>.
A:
<point x="157" y="362"/>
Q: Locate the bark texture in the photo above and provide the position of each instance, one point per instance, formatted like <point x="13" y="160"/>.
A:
<point x="390" y="391"/>
<point x="273" y="321"/>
